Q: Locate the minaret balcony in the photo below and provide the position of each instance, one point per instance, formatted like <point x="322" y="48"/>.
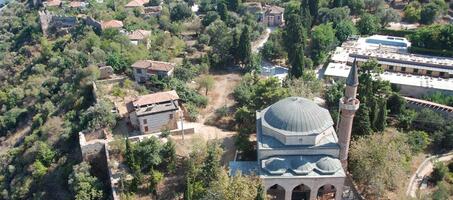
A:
<point x="349" y="104"/>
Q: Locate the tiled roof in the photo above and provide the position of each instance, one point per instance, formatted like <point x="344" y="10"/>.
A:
<point x="154" y="65"/>
<point x="111" y="24"/>
<point x="53" y="3"/>
<point x="156" y="98"/>
<point x="139" y="34"/>
<point x="136" y="3"/>
<point x="76" y="4"/>
<point x="274" y="10"/>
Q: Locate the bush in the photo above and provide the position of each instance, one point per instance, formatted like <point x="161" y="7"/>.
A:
<point x="439" y="172"/>
<point x="431" y="52"/>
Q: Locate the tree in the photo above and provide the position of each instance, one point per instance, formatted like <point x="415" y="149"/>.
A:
<point x="233" y="5"/>
<point x="429" y="13"/>
<point x="418" y="140"/>
<point x="323" y="40"/>
<point x="188" y="192"/>
<point x="155" y="178"/>
<point x="356" y="6"/>
<point x="344" y="29"/>
<point x="223" y="12"/>
<point x="334" y="15"/>
<point x="387" y="15"/>
<point x="373" y="5"/>
<point x="83" y="185"/>
<point x="180" y="11"/>
<point x="307" y="86"/>
<point x="396" y="103"/>
<point x="382" y="116"/>
<point x="129" y="155"/>
<point x="211" y="164"/>
<point x="439" y="172"/>
<point x="442" y="192"/>
<point x="368" y="24"/>
<point x="378" y="162"/>
<point x="168" y="154"/>
<point x="412" y="12"/>
<point x="313" y="6"/>
<point x="148" y="154"/>
<point x="305" y="14"/>
<point x="362" y="123"/>
<point x="99" y="116"/>
<point x="293" y="36"/>
<point x="297" y="63"/>
<point x="210" y="17"/>
<point x="260" y="194"/>
<point x="245" y="47"/>
<point x="232" y="187"/>
<point x="44" y="153"/>
<point x="206" y="82"/>
<point x="255" y="64"/>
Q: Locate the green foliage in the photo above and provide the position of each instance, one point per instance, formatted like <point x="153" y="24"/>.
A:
<point x="378" y="162"/>
<point x="442" y="191"/>
<point x="356" y="6"/>
<point x="412" y="12"/>
<point x="274" y="47"/>
<point x="387" y="15"/>
<point x="429" y="13"/>
<point x="323" y="40"/>
<point x="210" y="17"/>
<point x="433" y="37"/>
<point x="396" y="103"/>
<point x="294" y="41"/>
<point x="245" y="47"/>
<point x="155" y="178"/>
<point x="439" y="172"/>
<point x="223" y="12"/>
<point x="418" y="140"/>
<point x="99" y="116"/>
<point x="260" y="193"/>
<point x="344" y="29"/>
<point x="362" y="123"/>
<point x="233" y="5"/>
<point x="428" y="120"/>
<point x="307" y="86"/>
<point x="406" y="118"/>
<point x="334" y="15"/>
<point x="180" y="11"/>
<point x="44" y="153"/>
<point x="39" y="170"/>
<point x="368" y="24"/>
<point x="381" y="122"/>
<point x="206" y="82"/>
<point x="83" y="185"/>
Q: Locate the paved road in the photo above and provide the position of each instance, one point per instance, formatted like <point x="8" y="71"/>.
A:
<point x="424" y="170"/>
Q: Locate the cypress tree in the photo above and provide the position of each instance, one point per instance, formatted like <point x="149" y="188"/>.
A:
<point x="245" y="48"/>
<point x="233" y="5"/>
<point x="293" y="36"/>
<point x="130" y="158"/>
<point x="361" y="125"/>
<point x="313" y="5"/>
<point x="382" y="116"/>
<point x="307" y="19"/>
<point x="297" y="63"/>
<point x="223" y="12"/>
<point x="188" y="193"/>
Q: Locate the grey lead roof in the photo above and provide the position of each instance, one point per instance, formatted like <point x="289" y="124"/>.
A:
<point x="353" y="79"/>
<point x="298" y="115"/>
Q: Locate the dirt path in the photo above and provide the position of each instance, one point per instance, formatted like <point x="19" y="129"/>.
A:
<point x="220" y="94"/>
<point x="424" y="170"/>
<point x="13" y="139"/>
<point x="257" y="44"/>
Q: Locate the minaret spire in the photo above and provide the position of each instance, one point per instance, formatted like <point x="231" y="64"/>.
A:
<point x="349" y="104"/>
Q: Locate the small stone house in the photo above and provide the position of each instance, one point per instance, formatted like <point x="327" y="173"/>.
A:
<point x="154" y="112"/>
<point x="144" y="69"/>
<point x="140" y="37"/>
<point x="273" y="16"/>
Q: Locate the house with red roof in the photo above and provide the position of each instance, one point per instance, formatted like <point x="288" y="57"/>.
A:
<point x="139" y="37"/>
<point x="144" y="69"/>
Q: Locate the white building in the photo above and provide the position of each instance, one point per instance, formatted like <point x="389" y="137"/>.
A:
<point x="414" y="74"/>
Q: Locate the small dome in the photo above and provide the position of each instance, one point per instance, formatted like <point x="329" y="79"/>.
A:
<point x="328" y="165"/>
<point x="276" y="166"/>
<point x="300" y="115"/>
<point x="301" y="166"/>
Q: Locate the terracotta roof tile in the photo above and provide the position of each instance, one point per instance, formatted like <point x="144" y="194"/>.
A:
<point x="154" y="98"/>
<point x="139" y="34"/>
<point x="154" y="65"/>
<point x="111" y="24"/>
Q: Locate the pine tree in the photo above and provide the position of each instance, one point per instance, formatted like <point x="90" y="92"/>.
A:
<point x="223" y="12"/>
<point x="297" y="63"/>
<point x="382" y="116"/>
<point x="361" y="125"/>
<point x="260" y="193"/>
<point x="245" y="48"/>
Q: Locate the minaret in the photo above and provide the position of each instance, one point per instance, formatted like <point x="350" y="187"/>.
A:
<point x="348" y="106"/>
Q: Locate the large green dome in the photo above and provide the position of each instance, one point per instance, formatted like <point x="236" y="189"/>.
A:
<point x="298" y="115"/>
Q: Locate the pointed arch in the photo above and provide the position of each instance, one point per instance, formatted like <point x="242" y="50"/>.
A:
<point x="275" y="192"/>
<point x="301" y="192"/>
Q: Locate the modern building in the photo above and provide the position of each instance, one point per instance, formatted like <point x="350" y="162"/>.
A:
<point x="144" y="69"/>
<point x="140" y="37"/>
<point x="273" y="16"/>
<point x="414" y="74"/>
<point x="299" y="155"/>
<point x="155" y="112"/>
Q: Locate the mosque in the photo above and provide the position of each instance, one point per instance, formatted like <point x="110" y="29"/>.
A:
<point x="300" y="155"/>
